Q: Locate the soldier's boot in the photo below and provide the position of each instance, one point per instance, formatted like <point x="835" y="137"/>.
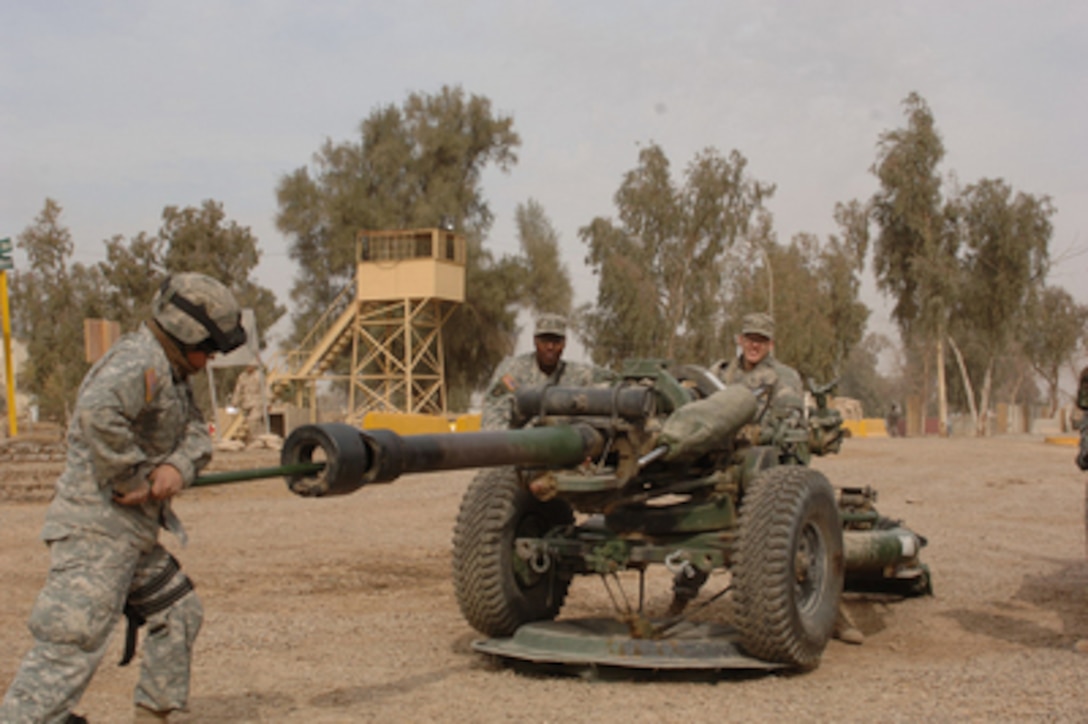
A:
<point x="1081" y="646"/>
<point x="143" y="715"/>
<point x="75" y="719"/>
<point x="845" y="629"/>
<point x="685" y="587"/>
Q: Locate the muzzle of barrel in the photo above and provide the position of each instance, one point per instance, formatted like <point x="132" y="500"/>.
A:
<point x="344" y="450"/>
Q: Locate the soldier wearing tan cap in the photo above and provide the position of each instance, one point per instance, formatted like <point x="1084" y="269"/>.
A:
<point x="543" y="366"/>
<point x="756" y="368"/>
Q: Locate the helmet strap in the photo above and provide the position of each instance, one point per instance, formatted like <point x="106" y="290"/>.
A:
<point x="174" y="349"/>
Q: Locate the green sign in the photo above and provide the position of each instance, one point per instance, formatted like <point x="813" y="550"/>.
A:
<point x="5" y="254"/>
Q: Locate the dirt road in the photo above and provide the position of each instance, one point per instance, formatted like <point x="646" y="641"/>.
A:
<point x="342" y="610"/>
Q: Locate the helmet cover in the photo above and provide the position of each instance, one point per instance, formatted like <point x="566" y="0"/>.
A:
<point x="199" y="311"/>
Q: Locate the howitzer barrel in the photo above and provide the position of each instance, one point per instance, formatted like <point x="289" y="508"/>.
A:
<point x="354" y="458"/>
<point x="631" y="403"/>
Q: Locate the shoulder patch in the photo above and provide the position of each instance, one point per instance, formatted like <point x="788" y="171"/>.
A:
<point x="151" y="386"/>
<point x="509" y="382"/>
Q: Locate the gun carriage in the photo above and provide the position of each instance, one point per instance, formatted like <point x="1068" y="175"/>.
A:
<point x="665" y="467"/>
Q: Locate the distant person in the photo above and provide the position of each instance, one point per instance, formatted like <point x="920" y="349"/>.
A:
<point x="891" y="420"/>
<point x="248" y="397"/>
<point x="136" y="440"/>
<point x="543" y="366"/>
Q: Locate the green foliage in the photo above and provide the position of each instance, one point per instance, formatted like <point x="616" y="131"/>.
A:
<point x="48" y="300"/>
<point x="862" y="380"/>
<point x="1006" y="257"/>
<point x="911" y="251"/>
<point x="660" y="264"/>
<point x="818" y="317"/>
<point x="546" y="281"/>
<point x="416" y="166"/>
<point x="1054" y="329"/>
<point x="53" y="297"/>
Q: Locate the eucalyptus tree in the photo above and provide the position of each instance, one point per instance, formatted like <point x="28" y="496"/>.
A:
<point x="49" y="300"/>
<point x="1005" y="240"/>
<point x="659" y="264"/>
<point x="1053" y="331"/>
<point x="913" y="252"/>
<point x="546" y="280"/>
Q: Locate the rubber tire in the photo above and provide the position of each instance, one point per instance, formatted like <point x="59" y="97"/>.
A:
<point x="789" y="518"/>
<point x="495" y="591"/>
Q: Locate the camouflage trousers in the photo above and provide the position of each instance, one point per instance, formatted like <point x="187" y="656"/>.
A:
<point x="254" y="424"/>
<point x="90" y="577"/>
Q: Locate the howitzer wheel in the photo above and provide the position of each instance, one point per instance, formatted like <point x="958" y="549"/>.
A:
<point x="496" y="590"/>
<point x="788" y="570"/>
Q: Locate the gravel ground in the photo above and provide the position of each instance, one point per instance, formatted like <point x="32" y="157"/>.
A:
<point x="342" y="610"/>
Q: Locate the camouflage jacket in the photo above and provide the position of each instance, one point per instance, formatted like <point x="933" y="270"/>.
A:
<point x="523" y="371"/>
<point x="247" y="391"/>
<point x="130" y="416"/>
<point x="786" y="390"/>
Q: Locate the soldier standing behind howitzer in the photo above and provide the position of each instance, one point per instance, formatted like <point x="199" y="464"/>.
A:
<point x="756" y="368"/>
<point x="1082" y="463"/>
<point x="136" y="439"/>
<point x="543" y="366"/>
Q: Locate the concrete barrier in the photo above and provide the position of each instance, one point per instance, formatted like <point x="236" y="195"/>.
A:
<point x="404" y="423"/>
<point x="866" y="427"/>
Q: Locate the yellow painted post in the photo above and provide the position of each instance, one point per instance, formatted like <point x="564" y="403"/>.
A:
<point x="9" y="374"/>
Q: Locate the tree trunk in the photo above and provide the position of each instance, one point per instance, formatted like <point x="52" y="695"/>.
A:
<point x="925" y="394"/>
<point x="942" y="390"/>
<point x="984" y="402"/>
<point x="968" y="388"/>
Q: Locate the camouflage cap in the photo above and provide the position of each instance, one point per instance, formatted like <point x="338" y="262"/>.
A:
<point x="759" y="323"/>
<point x="552" y="324"/>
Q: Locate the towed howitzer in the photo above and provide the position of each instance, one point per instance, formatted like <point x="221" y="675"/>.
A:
<point x="663" y="467"/>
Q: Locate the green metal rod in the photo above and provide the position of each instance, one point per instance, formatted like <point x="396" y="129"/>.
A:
<point x="237" y="476"/>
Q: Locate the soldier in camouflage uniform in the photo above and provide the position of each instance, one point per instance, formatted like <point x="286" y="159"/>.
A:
<point x="136" y="439"/>
<point x="248" y="397"/>
<point x="1082" y="403"/>
<point x="1081" y="646"/>
<point x="782" y="410"/>
<point x="783" y="406"/>
<point x="543" y="366"/>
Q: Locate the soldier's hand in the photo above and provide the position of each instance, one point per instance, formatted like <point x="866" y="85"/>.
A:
<point x="166" y="482"/>
<point x="138" y="496"/>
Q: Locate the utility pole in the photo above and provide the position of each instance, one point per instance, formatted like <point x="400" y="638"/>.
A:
<point x="5" y="317"/>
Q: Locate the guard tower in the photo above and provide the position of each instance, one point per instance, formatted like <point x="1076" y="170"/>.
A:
<point x="407" y="284"/>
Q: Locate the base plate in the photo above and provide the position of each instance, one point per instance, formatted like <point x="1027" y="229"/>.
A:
<point x="607" y="642"/>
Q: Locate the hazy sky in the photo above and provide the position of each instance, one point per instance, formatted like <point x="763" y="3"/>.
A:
<point x="117" y="109"/>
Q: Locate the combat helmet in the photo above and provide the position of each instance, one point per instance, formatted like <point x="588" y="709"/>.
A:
<point x="199" y="312"/>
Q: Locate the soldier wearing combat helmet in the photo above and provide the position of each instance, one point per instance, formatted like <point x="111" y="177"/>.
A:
<point x="136" y="439"/>
<point x="543" y="366"/>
